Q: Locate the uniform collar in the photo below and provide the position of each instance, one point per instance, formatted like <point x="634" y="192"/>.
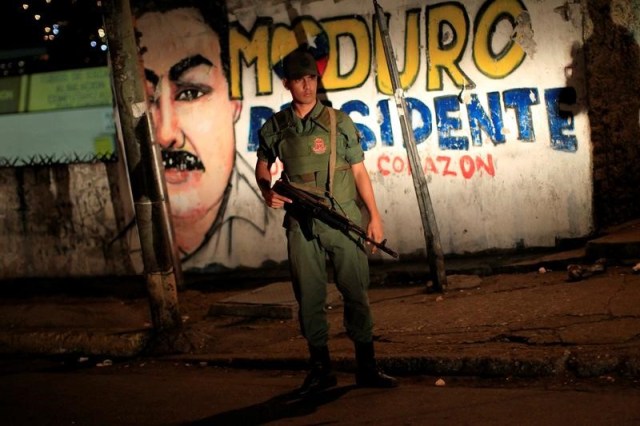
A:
<point x="317" y="110"/>
<point x="319" y="116"/>
<point x="313" y="114"/>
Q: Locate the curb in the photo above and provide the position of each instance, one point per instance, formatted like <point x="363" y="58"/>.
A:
<point x="577" y="363"/>
<point x="95" y="343"/>
<point x="573" y="364"/>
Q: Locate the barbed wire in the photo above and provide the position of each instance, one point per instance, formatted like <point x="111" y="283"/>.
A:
<point x="54" y="159"/>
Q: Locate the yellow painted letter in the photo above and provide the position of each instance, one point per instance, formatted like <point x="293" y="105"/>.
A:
<point x="250" y="49"/>
<point x="447" y="35"/>
<point x="349" y="64"/>
<point x="503" y="63"/>
<point x="411" y="55"/>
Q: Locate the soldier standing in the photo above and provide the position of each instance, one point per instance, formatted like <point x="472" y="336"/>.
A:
<point x="321" y="153"/>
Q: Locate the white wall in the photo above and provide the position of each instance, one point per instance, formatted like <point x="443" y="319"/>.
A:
<point x="527" y="184"/>
<point x="533" y="193"/>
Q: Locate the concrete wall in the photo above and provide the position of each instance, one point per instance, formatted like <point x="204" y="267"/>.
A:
<point x="515" y="164"/>
<point x="59" y="221"/>
<point x="612" y="53"/>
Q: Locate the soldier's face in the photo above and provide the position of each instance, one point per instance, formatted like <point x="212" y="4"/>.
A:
<point x="303" y="90"/>
<point x="192" y="113"/>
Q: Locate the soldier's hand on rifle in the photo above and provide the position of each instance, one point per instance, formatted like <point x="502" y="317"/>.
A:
<point x="375" y="231"/>
<point x="263" y="178"/>
<point x="275" y="200"/>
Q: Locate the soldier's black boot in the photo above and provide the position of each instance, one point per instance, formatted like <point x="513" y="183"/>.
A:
<point x="320" y="376"/>
<point x="368" y="374"/>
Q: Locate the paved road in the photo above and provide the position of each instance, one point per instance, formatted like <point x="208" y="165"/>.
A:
<point x="147" y="392"/>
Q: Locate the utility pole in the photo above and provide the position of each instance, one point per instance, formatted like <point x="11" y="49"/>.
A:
<point x="144" y="165"/>
<point x="435" y="256"/>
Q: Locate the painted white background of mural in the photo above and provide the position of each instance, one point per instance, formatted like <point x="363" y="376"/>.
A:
<point x="531" y="194"/>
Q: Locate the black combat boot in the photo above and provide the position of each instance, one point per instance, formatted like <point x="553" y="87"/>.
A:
<point x="368" y="374"/>
<point x="320" y="376"/>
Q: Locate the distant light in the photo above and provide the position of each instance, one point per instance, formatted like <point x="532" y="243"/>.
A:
<point x="25" y="6"/>
<point x="99" y="3"/>
<point x="101" y="32"/>
<point x="51" y="37"/>
<point x="103" y="47"/>
<point x="47" y="29"/>
<point x="48" y="1"/>
<point x="93" y="43"/>
<point x="56" y="29"/>
<point x="37" y="17"/>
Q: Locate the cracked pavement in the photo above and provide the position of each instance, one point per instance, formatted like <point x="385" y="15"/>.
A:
<point x="530" y="320"/>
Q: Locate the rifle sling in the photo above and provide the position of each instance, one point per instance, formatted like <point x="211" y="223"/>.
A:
<point x="332" y="154"/>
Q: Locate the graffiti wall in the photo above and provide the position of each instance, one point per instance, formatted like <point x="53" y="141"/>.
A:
<point x="507" y="161"/>
<point x="491" y="88"/>
<point x="495" y="90"/>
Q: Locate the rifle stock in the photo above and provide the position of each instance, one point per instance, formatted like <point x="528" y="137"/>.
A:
<point x="314" y="206"/>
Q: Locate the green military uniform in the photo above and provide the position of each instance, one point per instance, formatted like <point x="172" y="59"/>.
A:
<point x="304" y="147"/>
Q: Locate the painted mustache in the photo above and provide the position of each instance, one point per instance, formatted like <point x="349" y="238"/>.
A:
<point x="181" y="160"/>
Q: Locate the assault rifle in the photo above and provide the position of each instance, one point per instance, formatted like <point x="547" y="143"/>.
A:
<point x="314" y="206"/>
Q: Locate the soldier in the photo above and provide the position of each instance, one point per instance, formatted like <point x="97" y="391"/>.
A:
<point x="302" y="136"/>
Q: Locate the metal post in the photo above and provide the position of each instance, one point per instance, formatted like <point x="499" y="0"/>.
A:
<point x="432" y="237"/>
<point x="145" y="170"/>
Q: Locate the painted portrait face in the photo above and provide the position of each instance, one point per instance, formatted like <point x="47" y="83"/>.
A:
<point x="192" y="114"/>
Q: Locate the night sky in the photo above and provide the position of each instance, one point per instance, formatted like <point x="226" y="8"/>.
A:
<point x="23" y="48"/>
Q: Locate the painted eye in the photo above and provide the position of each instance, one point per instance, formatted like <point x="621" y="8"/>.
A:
<point x="189" y="94"/>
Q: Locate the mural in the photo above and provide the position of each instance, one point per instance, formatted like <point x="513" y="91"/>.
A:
<point x="486" y="86"/>
<point x="211" y="187"/>
<point x="485" y="90"/>
<point x="501" y="127"/>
